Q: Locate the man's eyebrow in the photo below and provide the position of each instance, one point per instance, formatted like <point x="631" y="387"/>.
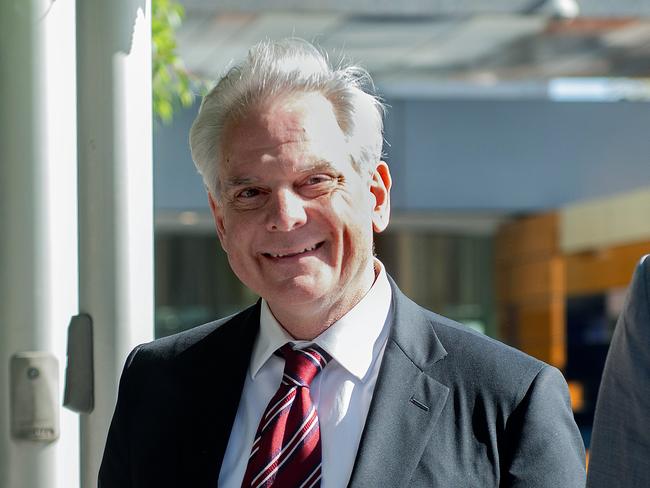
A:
<point x="235" y="181"/>
<point x="319" y="165"/>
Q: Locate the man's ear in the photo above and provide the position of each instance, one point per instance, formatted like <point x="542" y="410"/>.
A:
<point x="217" y="215"/>
<point x="380" y="188"/>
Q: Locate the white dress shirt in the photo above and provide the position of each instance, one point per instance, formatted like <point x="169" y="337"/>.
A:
<point x="341" y="392"/>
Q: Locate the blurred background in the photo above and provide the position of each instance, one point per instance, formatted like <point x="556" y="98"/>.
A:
<point x="517" y="133"/>
<point x="519" y="142"/>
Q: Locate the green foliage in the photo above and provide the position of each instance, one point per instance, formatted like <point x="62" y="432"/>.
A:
<point x="173" y="86"/>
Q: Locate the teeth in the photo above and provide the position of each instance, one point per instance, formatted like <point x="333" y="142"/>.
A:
<point x="307" y="249"/>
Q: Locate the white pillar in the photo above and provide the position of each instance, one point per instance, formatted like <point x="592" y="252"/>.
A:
<point x="38" y="225"/>
<point x="115" y="197"/>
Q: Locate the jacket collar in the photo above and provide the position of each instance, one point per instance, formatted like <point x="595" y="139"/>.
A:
<point x="406" y="402"/>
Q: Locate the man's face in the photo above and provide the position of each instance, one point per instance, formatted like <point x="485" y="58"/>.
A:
<point x="294" y="216"/>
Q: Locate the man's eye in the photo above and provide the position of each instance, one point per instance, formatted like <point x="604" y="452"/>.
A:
<point x="317" y="179"/>
<point x="248" y="193"/>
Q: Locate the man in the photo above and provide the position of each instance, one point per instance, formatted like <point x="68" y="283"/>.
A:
<point x="620" y="443"/>
<point x="371" y="389"/>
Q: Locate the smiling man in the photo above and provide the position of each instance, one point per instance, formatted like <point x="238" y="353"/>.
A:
<point x="334" y="377"/>
<point x="294" y="215"/>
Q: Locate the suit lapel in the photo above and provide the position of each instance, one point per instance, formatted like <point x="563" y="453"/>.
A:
<point x="406" y="402"/>
<point x="213" y="382"/>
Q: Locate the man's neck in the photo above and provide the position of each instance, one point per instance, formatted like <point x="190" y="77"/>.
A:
<point x="307" y="321"/>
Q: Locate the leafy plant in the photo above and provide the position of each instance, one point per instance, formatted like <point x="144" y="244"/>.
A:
<point x="173" y="86"/>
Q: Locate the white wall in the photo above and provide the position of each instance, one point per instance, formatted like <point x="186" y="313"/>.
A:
<point x="38" y="240"/>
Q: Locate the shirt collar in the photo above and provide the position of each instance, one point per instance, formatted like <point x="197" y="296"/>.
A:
<point x="354" y="340"/>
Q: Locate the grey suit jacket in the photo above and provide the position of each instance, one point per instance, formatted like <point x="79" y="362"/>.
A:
<point x="620" y="443"/>
<point x="451" y="408"/>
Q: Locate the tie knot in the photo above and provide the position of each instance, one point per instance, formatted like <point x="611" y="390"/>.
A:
<point x="302" y="365"/>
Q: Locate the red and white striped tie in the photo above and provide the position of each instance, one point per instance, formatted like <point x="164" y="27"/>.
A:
<point x="287" y="451"/>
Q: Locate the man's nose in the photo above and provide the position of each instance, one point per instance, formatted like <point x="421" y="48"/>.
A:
<point x="286" y="212"/>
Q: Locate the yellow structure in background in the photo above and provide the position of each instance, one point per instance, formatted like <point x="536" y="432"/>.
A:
<point x="606" y="222"/>
<point x="531" y="287"/>
<point x="541" y="260"/>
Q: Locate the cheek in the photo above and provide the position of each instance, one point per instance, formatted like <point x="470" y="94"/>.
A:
<point x="357" y="234"/>
<point x="224" y="238"/>
<point x="235" y="237"/>
<point x="237" y="248"/>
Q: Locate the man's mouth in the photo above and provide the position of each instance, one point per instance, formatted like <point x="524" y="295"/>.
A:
<point x="292" y="254"/>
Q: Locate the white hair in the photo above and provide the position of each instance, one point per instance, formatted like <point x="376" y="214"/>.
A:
<point x="278" y="68"/>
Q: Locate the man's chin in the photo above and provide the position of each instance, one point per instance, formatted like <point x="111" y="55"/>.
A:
<point x="296" y="291"/>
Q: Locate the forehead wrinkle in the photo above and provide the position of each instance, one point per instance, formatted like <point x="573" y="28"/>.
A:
<point x="278" y="129"/>
<point x="257" y="149"/>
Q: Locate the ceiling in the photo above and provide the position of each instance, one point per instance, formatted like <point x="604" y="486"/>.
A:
<point x="429" y="48"/>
